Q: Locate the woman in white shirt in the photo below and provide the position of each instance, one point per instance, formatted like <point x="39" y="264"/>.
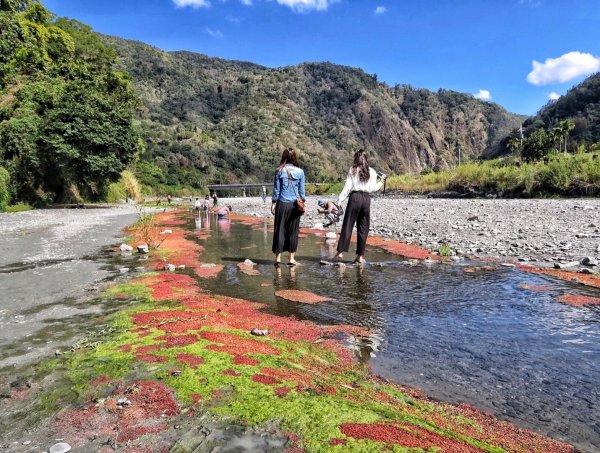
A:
<point x="361" y="181"/>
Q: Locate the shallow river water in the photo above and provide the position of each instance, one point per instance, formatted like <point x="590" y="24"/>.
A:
<point x="462" y="336"/>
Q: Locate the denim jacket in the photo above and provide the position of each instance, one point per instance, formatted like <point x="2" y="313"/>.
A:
<point x="283" y="191"/>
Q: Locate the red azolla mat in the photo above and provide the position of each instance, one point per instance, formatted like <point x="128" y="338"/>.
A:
<point x="151" y="406"/>
<point x="578" y="300"/>
<point x="304" y="297"/>
<point x="584" y="279"/>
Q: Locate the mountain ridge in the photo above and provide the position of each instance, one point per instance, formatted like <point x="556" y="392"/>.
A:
<point x="207" y="119"/>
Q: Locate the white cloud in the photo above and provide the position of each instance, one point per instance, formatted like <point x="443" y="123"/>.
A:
<point x="380" y="10"/>
<point x="484" y="95"/>
<point x="554" y="96"/>
<point x="192" y="3"/>
<point x="302" y="6"/>
<point x="246" y="2"/>
<point x="214" y="33"/>
<point x="564" y="68"/>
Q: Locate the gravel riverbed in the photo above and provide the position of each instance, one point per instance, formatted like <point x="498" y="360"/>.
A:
<point x="543" y="233"/>
<point x="51" y="262"/>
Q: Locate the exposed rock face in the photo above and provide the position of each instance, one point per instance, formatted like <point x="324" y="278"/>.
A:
<point x="228" y="119"/>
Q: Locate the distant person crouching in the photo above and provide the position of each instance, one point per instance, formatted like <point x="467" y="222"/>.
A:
<point x="360" y="183"/>
<point x="224" y="211"/>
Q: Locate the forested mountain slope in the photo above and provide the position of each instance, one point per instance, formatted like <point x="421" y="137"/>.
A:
<point x="211" y="120"/>
<point x="581" y="104"/>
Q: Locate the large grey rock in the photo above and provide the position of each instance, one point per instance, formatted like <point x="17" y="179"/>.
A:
<point x="589" y="261"/>
<point x="126" y="248"/>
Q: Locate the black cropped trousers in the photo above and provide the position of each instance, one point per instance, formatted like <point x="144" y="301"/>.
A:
<point x="287" y="228"/>
<point x="358" y="212"/>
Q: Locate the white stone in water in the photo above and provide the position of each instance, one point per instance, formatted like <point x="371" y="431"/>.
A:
<point x="140" y="269"/>
<point x="143" y="248"/>
<point x="126" y="248"/>
<point x="61" y="447"/>
<point x="318" y="226"/>
<point x="169" y="267"/>
<point x="182" y="267"/>
<point x="331" y="235"/>
<point x="124" y="270"/>
<point x="248" y="262"/>
<point x="166" y="232"/>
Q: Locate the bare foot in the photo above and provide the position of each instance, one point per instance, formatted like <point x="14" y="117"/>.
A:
<point x="339" y="256"/>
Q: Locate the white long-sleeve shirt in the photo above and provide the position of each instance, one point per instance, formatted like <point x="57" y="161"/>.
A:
<point x="354" y="184"/>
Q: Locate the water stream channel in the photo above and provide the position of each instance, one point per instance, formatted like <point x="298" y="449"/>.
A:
<point x="460" y="332"/>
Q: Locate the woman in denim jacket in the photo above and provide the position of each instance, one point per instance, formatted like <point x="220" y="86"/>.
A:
<point x="288" y="185"/>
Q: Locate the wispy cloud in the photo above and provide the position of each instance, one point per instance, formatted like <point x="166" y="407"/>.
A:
<point x="214" y="33"/>
<point x="192" y="3"/>
<point x="233" y="19"/>
<point x="554" y="96"/>
<point x="380" y="10"/>
<point x="564" y="68"/>
<point x="484" y="95"/>
<point x="246" y="2"/>
<point x="303" y="6"/>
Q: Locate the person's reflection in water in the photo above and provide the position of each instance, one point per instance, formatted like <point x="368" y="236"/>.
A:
<point x="277" y="277"/>
<point x="329" y="250"/>
<point x="266" y="232"/>
<point x="365" y="314"/>
<point x="281" y="279"/>
<point x="206" y="221"/>
<point x="224" y="226"/>
<point x="293" y="280"/>
<point x="197" y="222"/>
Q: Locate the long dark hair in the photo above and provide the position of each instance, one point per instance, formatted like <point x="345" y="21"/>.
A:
<point x="288" y="157"/>
<point x="361" y="163"/>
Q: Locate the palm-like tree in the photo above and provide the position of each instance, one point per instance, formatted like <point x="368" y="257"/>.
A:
<point x="557" y="137"/>
<point x="566" y="126"/>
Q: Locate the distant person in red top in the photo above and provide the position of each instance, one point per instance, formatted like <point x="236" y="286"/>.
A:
<point x="224" y="211"/>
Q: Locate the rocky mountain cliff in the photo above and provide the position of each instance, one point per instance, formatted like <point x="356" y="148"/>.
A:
<point x="211" y="120"/>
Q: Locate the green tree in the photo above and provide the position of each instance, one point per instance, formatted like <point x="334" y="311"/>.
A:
<point x="536" y="146"/>
<point x="68" y="116"/>
<point x="514" y="144"/>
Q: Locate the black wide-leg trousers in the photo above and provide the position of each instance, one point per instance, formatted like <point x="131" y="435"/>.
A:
<point x="287" y="228"/>
<point x="358" y="212"/>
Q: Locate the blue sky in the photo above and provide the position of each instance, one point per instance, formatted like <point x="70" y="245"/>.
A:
<point x="483" y="47"/>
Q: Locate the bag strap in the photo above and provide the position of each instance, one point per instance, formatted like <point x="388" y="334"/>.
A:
<point x="291" y="181"/>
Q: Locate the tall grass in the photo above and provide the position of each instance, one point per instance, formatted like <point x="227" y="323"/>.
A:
<point x="127" y="187"/>
<point x="4" y="188"/>
<point x="562" y="174"/>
